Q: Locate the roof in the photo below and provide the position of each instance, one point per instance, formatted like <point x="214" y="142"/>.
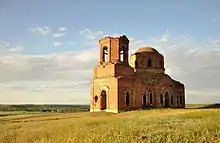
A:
<point x="147" y="50"/>
<point x="118" y="37"/>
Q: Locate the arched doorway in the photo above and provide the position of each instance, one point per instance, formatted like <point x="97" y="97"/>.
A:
<point x="166" y="100"/>
<point x="103" y="100"/>
<point x="144" y="100"/>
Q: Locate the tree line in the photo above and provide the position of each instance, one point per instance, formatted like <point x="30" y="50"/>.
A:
<point x="45" y="108"/>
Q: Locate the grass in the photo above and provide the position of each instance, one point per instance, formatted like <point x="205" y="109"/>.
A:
<point x="158" y="125"/>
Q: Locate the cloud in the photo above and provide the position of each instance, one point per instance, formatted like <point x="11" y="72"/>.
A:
<point x="165" y="37"/>
<point x="90" y="35"/>
<point x="4" y="44"/>
<point x="6" y="47"/>
<point x="58" y="35"/>
<point x="62" y="66"/>
<point x="56" y="43"/>
<point x="66" y="73"/>
<point x="191" y="61"/>
<point x="47" y="32"/>
<point x="62" y="29"/>
<point x="17" y="49"/>
<point x="43" y="31"/>
<point x="71" y="42"/>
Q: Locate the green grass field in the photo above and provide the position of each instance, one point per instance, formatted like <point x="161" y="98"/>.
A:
<point x="158" y="125"/>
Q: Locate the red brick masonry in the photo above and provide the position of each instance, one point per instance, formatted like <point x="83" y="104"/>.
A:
<point x="121" y="84"/>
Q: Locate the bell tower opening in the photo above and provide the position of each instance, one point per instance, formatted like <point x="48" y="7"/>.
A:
<point x="121" y="56"/>
<point x="105" y="54"/>
<point x="114" y="49"/>
<point x="123" y="53"/>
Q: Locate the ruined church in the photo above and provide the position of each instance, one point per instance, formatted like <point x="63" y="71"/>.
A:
<point x="119" y="84"/>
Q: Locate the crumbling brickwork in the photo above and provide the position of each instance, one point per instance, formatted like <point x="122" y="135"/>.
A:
<point x="120" y="84"/>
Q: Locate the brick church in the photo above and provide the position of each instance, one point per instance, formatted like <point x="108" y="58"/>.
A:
<point x="119" y="84"/>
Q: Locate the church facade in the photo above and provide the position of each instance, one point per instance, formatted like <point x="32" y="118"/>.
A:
<point x="119" y="84"/>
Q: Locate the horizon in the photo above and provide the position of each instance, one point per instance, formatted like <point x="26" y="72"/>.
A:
<point x="43" y="45"/>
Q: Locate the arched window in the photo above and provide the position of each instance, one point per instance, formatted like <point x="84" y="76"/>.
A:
<point x="161" y="64"/>
<point x="144" y="98"/>
<point x="181" y="99"/>
<point x="105" y="54"/>
<point x="136" y="64"/>
<point x="177" y="99"/>
<point x="127" y="99"/>
<point x="171" y="99"/>
<point x="166" y="100"/>
<point x="161" y="98"/>
<point x="151" y="98"/>
<point x="149" y="62"/>
<point x="96" y="98"/>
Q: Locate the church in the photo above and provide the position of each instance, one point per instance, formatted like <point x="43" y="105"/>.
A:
<point x="121" y="82"/>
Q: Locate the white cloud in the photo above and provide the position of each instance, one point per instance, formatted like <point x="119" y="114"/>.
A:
<point x="40" y="30"/>
<point x="58" y="35"/>
<point x="6" y="48"/>
<point x="71" y="42"/>
<point x="4" y="44"/>
<point x="45" y="30"/>
<point x="90" y="35"/>
<point x="62" y="29"/>
<point x="65" y="73"/>
<point x="56" y="43"/>
<point x="18" y="48"/>
<point x="194" y="63"/>
<point x="66" y="65"/>
<point x="165" y="37"/>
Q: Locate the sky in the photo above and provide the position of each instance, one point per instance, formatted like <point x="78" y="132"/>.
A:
<point x="49" y="48"/>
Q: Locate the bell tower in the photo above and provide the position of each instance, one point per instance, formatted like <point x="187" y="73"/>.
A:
<point x="112" y="81"/>
<point x="114" y="50"/>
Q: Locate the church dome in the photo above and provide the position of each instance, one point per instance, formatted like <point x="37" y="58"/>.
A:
<point x="147" y="50"/>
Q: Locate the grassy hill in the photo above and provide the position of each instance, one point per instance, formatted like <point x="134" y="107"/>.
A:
<point x="158" y="125"/>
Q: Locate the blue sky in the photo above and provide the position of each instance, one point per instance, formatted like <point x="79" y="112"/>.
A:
<point x="42" y="40"/>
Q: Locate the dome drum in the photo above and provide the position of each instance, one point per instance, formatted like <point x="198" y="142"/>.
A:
<point x="148" y="59"/>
